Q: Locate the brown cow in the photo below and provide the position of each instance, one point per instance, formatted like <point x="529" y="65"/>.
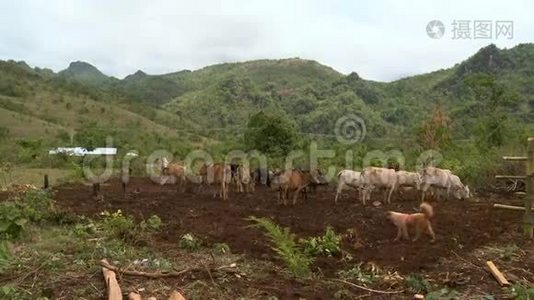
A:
<point x="174" y="170"/>
<point x="295" y="181"/>
<point x="220" y="175"/>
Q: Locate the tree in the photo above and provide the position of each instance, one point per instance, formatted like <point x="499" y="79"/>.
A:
<point x="493" y="98"/>
<point x="270" y="134"/>
<point x="436" y="132"/>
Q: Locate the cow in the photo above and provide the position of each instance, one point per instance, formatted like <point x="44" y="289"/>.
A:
<point x="220" y="175"/>
<point x="408" y="179"/>
<point x="374" y="177"/>
<point x="443" y="181"/>
<point x="245" y="179"/>
<point x="348" y="178"/>
<point x="173" y="170"/>
<point x="294" y="182"/>
<point x="262" y="176"/>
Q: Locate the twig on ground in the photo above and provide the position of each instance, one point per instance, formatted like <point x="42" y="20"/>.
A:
<point x="105" y="264"/>
<point x="366" y="288"/>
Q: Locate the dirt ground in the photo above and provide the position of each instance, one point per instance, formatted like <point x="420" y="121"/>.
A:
<point x="462" y="229"/>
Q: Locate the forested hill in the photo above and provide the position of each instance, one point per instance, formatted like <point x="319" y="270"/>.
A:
<point x="491" y="83"/>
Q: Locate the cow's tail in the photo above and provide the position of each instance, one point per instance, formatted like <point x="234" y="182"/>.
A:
<point x="427" y="210"/>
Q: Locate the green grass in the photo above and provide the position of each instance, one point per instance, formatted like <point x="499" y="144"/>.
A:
<point x="34" y="176"/>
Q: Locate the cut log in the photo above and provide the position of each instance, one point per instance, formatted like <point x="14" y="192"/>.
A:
<point x="114" y="290"/>
<point x="497" y="274"/>
<point x="497" y="205"/>
<point x="134" y="296"/>
<point x="176" y="296"/>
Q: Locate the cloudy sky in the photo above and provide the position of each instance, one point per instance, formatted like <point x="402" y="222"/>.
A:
<point x="380" y="40"/>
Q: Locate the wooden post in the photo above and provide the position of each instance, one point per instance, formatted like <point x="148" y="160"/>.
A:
<point x="45" y="185"/>
<point x="528" y="220"/>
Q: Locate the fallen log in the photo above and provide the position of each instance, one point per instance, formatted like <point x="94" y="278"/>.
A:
<point x="114" y="290"/>
<point x="503" y="206"/>
<point x="228" y="269"/>
<point x="497" y="274"/>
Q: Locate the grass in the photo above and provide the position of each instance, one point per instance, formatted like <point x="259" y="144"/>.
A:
<point x="34" y="176"/>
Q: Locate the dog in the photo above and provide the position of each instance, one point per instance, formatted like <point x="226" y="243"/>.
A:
<point x="420" y="220"/>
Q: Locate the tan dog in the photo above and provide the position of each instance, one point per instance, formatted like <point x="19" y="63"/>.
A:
<point x="421" y="222"/>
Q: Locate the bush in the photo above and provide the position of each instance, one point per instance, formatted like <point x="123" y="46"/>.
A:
<point x="221" y="248"/>
<point x="359" y="274"/>
<point x="417" y="283"/>
<point x="117" y="224"/>
<point x="285" y="246"/>
<point x="327" y="245"/>
<point x="12" y="220"/>
<point x="189" y="242"/>
<point x="152" y="224"/>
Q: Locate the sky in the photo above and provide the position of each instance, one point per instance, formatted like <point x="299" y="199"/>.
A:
<point x="380" y="40"/>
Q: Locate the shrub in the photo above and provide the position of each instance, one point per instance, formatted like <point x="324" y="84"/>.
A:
<point x="522" y="292"/>
<point x="359" y="274"/>
<point x="221" y="248"/>
<point x="151" y="224"/>
<point x="285" y="246"/>
<point x="117" y="224"/>
<point x="189" y="242"/>
<point x="12" y="220"/>
<point x="327" y="245"/>
<point x="417" y="283"/>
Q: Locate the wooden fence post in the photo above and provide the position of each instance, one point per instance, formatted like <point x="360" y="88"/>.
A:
<point x="528" y="220"/>
<point x="45" y="185"/>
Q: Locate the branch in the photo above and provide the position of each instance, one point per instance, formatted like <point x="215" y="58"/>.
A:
<point x="367" y="289"/>
<point x="229" y="269"/>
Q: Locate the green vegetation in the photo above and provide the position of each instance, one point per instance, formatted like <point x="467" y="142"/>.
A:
<point x="327" y="245"/>
<point x="189" y="242"/>
<point x="472" y="113"/>
<point x="286" y="247"/>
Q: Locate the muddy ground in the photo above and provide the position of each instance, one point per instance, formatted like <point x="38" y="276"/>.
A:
<point x="462" y="228"/>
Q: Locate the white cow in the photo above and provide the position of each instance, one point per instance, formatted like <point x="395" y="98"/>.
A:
<point x="373" y="177"/>
<point x="408" y="179"/>
<point x="460" y="190"/>
<point x="348" y="178"/>
<point x="443" y="179"/>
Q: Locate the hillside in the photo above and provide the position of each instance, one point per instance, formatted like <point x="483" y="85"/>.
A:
<point x="188" y="107"/>
<point x="43" y="108"/>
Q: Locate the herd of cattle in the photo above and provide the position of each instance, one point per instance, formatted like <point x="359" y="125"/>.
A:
<point x="294" y="182"/>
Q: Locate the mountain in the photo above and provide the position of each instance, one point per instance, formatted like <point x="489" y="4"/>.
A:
<point x="86" y="74"/>
<point x="185" y="108"/>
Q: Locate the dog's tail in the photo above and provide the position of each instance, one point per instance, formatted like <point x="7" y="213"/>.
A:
<point x="427" y="210"/>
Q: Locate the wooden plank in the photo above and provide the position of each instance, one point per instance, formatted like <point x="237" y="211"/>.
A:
<point x="176" y="296"/>
<point x="497" y="274"/>
<point x="114" y="290"/>
<point x="510" y="177"/>
<point x="515" y="158"/>
<point x="134" y="296"/>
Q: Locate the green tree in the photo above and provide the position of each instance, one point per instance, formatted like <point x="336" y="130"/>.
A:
<point x="495" y="99"/>
<point x="270" y="134"/>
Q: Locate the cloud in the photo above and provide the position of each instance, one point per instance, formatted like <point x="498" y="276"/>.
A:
<point x="381" y="40"/>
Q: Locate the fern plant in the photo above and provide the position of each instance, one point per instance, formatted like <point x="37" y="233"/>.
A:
<point x="285" y="245"/>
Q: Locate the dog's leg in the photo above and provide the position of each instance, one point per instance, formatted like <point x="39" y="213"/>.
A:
<point x="405" y="231"/>
<point x="399" y="234"/>
<point x="431" y="232"/>
<point x="417" y="232"/>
